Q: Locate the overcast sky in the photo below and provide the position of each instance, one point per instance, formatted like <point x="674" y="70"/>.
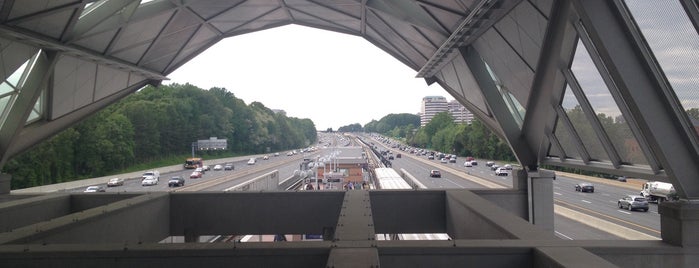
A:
<point x="331" y="78"/>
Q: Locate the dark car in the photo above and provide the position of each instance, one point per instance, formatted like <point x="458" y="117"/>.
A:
<point x="632" y="202"/>
<point x="228" y="167"/>
<point x="435" y="174"/>
<point x="585" y="187"/>
<point x="175" y="182"/>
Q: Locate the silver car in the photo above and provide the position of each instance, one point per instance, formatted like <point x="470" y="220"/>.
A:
<point x="632" y="202"/>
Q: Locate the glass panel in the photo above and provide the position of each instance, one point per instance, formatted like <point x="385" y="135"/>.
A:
<point x="583" y="127"/>
<point x="14" y="78"/>
<point x="607" y="111"/>
<point x="553" y="152"/>
<point x="516" y="109"/>
<point x="675" y="44"/>
<point x="33" y="116"/>
<point x="6" y="88"/>
<point x="566" y="140"/>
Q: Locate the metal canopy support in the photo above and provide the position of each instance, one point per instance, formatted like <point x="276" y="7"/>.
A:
<point x="497" y="105"/>
<point x="38" y="131"/>
<point x="36" y="81"/>
<point x="644" y="90"/>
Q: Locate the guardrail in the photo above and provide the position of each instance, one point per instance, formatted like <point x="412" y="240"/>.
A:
<point x="268" y="181"/>
<point x="411" y="180"/>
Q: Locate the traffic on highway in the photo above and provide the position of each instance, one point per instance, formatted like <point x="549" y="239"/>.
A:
<point x="586" y="208"/>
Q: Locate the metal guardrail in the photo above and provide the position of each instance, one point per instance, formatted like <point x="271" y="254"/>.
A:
<point x="267" y="182"/>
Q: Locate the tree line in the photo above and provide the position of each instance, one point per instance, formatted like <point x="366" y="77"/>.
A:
<point x="154" y="124"/>
<point x="440" y="134"/>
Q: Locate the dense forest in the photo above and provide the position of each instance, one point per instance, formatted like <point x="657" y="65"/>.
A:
<point x="155" y="124"/>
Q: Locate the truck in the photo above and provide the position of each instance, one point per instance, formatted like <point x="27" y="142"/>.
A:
<point x="656" y="191"/>
<point x="151" y="173"/>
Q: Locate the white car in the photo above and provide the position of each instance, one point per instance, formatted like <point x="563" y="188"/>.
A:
<point x="251" y="161"/>
<point x="149" y="180"/>
<point x="501" y="172"/>
<point x="467" y="164"/>
<point x="266" y="157"/>
<point x="115" y="182"/>
<point x="218" y="167"/>
<point x="94" y="189"/>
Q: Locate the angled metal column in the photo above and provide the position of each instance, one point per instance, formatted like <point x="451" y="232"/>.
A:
<point x="497" y="105"/>
<point x="645" y="91"/>
<point x="36" y="80"/>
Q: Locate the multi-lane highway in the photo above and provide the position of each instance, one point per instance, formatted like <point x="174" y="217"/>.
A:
<point x="574" y="210"/>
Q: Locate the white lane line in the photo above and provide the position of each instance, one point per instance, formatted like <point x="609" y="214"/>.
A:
<point x="625" y="212"/>
<point x="586" y="201"/>
<point x="564" y="236"/>
<point x="557" y="193"/>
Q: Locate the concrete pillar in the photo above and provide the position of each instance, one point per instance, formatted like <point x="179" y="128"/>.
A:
<point x="679" y="222"/>
<point x="5" y="181"/>
<point x="540" y="198"/>
<point x="190" y="236"/>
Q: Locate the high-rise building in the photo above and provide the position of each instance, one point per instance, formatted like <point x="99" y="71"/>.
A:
<point x="432" y="105"/>
<point x="460" y="113"/>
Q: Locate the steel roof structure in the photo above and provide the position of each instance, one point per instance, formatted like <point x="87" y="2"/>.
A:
<point x="518" y="65"/>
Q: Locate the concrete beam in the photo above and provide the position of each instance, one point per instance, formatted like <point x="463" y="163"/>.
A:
<point x="136" y="220"/>
<point x="27" y="211"/>
<point x="397" y="213"/>
<point x="217" y="213"/>
<point x="471" y="217"/>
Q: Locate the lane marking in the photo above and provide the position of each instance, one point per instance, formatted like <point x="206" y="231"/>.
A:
<point x="608" y="216"/>
<point x="557" y="193"/>
<point x="586" y="201"/>
<point x="564" y="236"/>
<point x="625" y="212"/>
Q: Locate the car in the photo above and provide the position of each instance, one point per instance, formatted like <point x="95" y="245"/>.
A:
<point x="200" y="170"/>
<point x="632" y="202"/>
<point x="494" y="167"/>
<point x="175" y="182"/>
<point x="266" y="157"/>
<point x="585" y="187"/>
<point x="621" y="178"/>
<point x="474" y="162"/>
<point x="218" y="167"/>
<point x="195" y="175"/>
<point x="502" y="172"/>
<point x="228" y="167"/>
<point x="276" y="154"/>
<point x="390" y="157"/>
<point x="206" y="168"/>
<point x="430" y="157"/>
<point x="398" y="155"/>
<point x="252" y="161"/>
<point x="149" y="181"/>
<point x="94" y="189"/>
<point x="467" y="164"/>
<point x="489" y="163"/>
<point x="507" y="166"/>
<point x="444" y="160"/>
<point x="435" y="173"/>
<point x="115" y="182"/>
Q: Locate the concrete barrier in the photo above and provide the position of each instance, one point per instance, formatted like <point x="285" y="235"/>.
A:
<point x="64" y="186"/>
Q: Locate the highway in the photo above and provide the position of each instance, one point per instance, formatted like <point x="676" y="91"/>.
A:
<point x="600" y="205"/>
